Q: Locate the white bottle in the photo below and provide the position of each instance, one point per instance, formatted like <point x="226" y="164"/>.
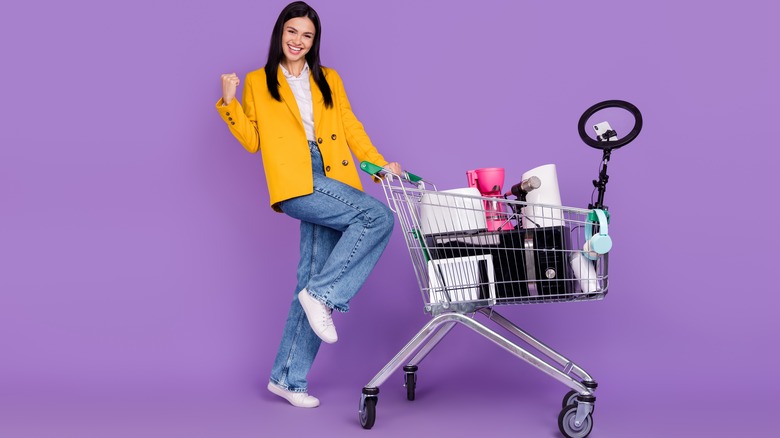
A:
<point x="585" y="272"/>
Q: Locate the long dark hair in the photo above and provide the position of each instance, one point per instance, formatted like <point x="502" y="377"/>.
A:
<point x="275" y="53"/>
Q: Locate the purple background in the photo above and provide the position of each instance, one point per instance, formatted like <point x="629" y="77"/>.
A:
<point x="144" y="280"/>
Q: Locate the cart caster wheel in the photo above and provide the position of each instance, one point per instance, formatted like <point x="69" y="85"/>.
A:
<point x="570" y="398"/>
<point x="367" y="412"/>
<point x="410" y="381"/>
<point x="567" y="426"/>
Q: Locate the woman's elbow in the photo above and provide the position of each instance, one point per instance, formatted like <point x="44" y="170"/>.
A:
<point x="252" y="149"/>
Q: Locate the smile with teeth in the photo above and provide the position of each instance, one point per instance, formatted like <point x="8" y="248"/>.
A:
<point x="295" y="50"/>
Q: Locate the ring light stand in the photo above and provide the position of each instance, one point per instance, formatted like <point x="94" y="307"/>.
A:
<point x="607" y="145"/>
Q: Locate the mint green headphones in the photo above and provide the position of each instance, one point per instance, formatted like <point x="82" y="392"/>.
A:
<point x="599" y="243"/>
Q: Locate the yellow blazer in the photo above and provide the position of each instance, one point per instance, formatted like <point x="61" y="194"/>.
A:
<point x="276" y="129"/>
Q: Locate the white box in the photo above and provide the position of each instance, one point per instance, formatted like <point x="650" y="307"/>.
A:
<point x="457" y="279"/>
<point x="452" y="211"/>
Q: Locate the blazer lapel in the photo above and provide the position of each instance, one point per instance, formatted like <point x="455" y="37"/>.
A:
<point x="317" y="101"/>
<point x="287" y="95"/>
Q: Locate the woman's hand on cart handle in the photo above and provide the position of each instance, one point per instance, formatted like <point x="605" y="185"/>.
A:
<point x="374" y="170"/>
<point x="394" y="167"/>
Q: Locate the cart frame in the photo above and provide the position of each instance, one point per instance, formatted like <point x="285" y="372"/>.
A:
<point x="450" y="308"/>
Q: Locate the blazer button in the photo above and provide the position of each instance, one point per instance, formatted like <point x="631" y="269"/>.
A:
<point x="230" y="118"/>
<point x="327" y="168"/>
<point x="319" y="140"/>
<point x="227" y="114"/>
<point x="232" y="123"/>
<point x="333" y="137"/>
<point x="344" y="163"/>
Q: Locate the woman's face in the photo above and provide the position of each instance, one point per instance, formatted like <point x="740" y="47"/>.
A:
<point x="297" y="38"/>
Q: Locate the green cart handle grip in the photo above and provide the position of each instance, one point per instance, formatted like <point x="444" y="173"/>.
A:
<point x="374" y="170"/>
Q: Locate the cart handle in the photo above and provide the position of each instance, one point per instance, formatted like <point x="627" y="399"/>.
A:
<point x="374" y="170"/>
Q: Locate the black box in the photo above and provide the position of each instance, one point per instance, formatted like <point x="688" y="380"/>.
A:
<point x="527" y="263"/>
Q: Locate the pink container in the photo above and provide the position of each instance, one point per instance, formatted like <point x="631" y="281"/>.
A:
<point x="489" y="181"/>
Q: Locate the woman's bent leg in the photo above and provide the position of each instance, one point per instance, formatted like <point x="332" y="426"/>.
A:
<point x="366" y="225"/>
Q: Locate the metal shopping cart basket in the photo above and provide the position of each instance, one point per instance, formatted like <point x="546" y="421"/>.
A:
<point x="537" y="254"/>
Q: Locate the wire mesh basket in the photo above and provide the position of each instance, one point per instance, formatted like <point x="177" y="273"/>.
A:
<point x="534" y="255"/>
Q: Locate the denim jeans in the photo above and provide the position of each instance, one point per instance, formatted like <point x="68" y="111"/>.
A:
<point x="343" y="233"/>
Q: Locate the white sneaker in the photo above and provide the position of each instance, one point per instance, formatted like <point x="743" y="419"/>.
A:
<point x="319" y="316"/>
<point x="297" y="399"/>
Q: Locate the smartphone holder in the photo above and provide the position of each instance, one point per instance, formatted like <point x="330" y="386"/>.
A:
<point x="607" y="145"/>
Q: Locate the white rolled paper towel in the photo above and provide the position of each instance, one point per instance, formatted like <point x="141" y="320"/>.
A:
<point x="585" y="273"/>
<point x="548" y="193"/>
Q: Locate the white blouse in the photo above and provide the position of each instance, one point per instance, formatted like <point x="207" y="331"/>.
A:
<point x="301" y="89"/>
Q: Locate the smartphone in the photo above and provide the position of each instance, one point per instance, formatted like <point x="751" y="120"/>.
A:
<point x="604" y="132"/>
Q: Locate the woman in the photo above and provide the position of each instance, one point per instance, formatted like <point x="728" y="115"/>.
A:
<point x="297" y="114"/>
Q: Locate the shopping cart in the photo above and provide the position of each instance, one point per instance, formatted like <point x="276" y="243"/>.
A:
<point x="537" y="255"/>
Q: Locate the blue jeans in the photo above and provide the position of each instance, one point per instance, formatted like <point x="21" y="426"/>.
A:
<point x="343" y="233"/>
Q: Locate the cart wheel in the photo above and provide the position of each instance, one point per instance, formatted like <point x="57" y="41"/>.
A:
<point x="570" y="398"/>
<point x="567" y="426"/>
<point x="367" y="412"/>
<point x="410" y="382"/>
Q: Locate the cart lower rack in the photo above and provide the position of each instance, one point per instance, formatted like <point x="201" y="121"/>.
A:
<point x="536" y="254"/>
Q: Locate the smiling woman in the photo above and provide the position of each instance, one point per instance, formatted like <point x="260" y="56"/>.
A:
<point x="297" y="40"/>
<point x="296" y="112"/>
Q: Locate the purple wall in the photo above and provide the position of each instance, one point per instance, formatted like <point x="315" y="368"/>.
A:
<point x="138" y="254"/>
